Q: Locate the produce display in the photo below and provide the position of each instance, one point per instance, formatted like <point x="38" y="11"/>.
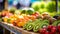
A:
<point x="40" y="18"/>
<point x="42" y="7"/>
<point x="31" y="20"/>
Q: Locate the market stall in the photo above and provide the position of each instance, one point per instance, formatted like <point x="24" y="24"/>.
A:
<point x="15" y="29"/>
<point x="40" y="18"/>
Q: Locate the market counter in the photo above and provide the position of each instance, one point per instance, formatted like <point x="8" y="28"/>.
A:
<point x="14" y="29"/>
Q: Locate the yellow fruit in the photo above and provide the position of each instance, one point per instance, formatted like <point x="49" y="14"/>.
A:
<point x="5" y="19"/>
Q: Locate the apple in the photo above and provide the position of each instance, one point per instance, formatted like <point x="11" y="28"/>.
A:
<point x="58" y="28"/>
<point x="46" y="32"/>
<point x="49" y="27"/>
<point x="58" y="33"/>
<point x="53" y="30"/>
<point x="42" y="31"/>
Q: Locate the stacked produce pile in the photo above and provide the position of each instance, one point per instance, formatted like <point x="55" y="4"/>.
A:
<point x="31" y="20"/>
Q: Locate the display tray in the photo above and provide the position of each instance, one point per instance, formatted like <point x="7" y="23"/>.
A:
<point x="15" y="29"/>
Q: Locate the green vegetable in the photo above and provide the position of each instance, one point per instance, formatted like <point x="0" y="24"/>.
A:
<point x="56" y="23"/>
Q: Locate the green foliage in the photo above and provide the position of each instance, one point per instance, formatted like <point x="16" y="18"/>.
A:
<point x="59" y="5"/>
<point x="51" y="7"/>
<point x="36" y="6"/>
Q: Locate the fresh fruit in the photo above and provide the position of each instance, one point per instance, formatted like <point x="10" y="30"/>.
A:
<point x="9" y="14"/>
<point x="51" y="20"/>
<point x="43" y="25"/>
<point x="21" y="24"/>
<point x="12" y="10"/>
<point x="30" y="26"/>
<point x="4" y="12"/>
<point x="42" y="31"/>
<point x="58" y="27"/>
<point x="25" y="26"/>
<point x="47" y="32"/>
<point x="23" y="12"/>
<point x="8" y="20"/>
<point x="53" y="30"/>
<point x="49" y="27"/>
<point x="46" y="21"/>
<point x="5" y="19"/>
<point x="56" y="23"/>
<point x="30" y="11"/>
<point x="36" y="27"/>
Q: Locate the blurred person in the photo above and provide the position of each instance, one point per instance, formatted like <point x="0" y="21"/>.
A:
<point x="21" y="3"/>
<point x="2" y="4"/>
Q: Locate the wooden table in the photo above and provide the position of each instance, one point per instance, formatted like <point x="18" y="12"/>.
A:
<point x="14" y="29"/>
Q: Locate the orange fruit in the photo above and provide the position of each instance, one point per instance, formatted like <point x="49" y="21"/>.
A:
<point x="19" y="24"/>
